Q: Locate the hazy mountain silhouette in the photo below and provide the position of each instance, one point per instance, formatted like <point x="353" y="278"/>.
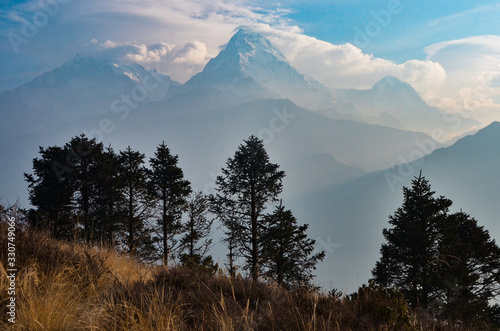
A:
<point x="395" y="103"/>
<point x="355" y="213"/>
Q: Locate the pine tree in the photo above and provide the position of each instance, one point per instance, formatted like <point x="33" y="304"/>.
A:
<point x="410" y="253"/>
<point x="171" y="190"/>
<point x="108" y="198"/>
<point x="194" y="244"/>
<point x="468" y="275"/>
<point x="136" y="207"/>
<point x="287" y="253"/>
<point x="248" y="183"/>
<point x="51" y="193"/>
<point x="84" y="157"/>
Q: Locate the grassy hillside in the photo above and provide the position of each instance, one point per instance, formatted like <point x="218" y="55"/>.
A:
<point x="67" y="286"/>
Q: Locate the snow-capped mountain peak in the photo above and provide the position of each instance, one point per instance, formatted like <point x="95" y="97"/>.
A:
<point x="250" y="64"/>
<point x="82" y="86"/>
<point x="244" y="50"/>
<point x="391" y="84"/>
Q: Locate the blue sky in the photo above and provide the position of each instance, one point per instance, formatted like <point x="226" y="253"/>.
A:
<point x="420" y="23"/>
<point x="446" y="49"/>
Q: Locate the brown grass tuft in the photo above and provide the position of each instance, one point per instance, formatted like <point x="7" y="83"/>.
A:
<point x="68" y="286"/>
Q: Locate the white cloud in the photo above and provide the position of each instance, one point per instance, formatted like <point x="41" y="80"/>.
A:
<point x="459" y="18"/>
<point x="491" y="42"/>
<point x="150" y="54"/>
<point x="110" y="44"/>
<point x="129" y="52"/>
<point x="182" y="61"/>
<point x="346" y="66"/>
<point x="192" y="53"/>
<point x="473" y="67"/>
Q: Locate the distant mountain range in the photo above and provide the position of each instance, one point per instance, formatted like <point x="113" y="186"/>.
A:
<point x="333" y="145"/>
<point x="394" y="103"/>
<point x="79" y="88"/>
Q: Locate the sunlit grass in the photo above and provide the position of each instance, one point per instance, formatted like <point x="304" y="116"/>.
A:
<point x="68" y="286"/>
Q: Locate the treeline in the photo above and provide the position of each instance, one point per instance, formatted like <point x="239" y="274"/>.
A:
<point x="85" y="192"/>
<point x="444" y="264"/>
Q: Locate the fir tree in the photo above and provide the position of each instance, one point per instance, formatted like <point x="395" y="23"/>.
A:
<point x="108" y="198"/>
<point x="446" y="263"/>
<point x="248" y="183"/>
<point x="84" y="157"/>
<point x="468" y="275"/>
<point x="51" y="193"/>
<point x="136" y="206"/>
<point x="410" y="252"/>
<point x="287" y="253"/>
<point x="171" y="190"/>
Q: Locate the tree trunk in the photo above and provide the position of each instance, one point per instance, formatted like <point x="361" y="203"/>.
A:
<point x="255" y="253"/>
<point x="165" y="229"/>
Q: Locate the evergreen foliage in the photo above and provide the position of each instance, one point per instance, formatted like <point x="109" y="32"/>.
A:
<point x="194" y="244"/>
<point x="51" y="194"/>
<point x="85" y="157"/>
<point x="108" y="198"/>
<point x="444" y="263"/>
<point x="170" y="191"/>
<point x="410" y="251"/>
<point x="136" y="207"/>
<point x="469" y="275"/>
<point x="287" y="253"/>
<point x="247" y="184"/>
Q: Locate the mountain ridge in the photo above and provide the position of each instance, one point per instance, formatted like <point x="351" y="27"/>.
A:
<point x="395" y="103"/>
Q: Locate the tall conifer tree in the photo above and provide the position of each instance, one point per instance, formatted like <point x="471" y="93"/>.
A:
<point x="51" y="192"/>
<point x="195" y="243"/>
<point x="136" y="206"/>
<point x="84" y="157"/>
<point x="410" y="251"/>
<point x="287" y="252"/>
<point x="171" y="191"/>
<point x="247" y="184"/>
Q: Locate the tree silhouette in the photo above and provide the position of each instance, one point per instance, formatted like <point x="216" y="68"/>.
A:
<point x="107" y="197"/>
<point x="410" y="251"/>
<point x="194" y="244"/>
<point x="441" y="262"/>
<point x="51" y="194"/>
<point x="171" y="190"/>
<point x="247" y="184"/>
<point x="468" y="276"/>
<point x="85" y="159"/>
<point x="137" y="204"/>
<point x="286" y="250"/>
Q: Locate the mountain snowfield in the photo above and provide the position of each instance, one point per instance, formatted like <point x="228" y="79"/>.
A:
<point x="336" y="147"/>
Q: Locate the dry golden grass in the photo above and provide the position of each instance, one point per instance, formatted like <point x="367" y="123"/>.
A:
<point x="68" y="286"/>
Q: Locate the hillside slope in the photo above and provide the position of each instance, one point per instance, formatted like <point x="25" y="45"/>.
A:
<point x="67" y="286"/>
